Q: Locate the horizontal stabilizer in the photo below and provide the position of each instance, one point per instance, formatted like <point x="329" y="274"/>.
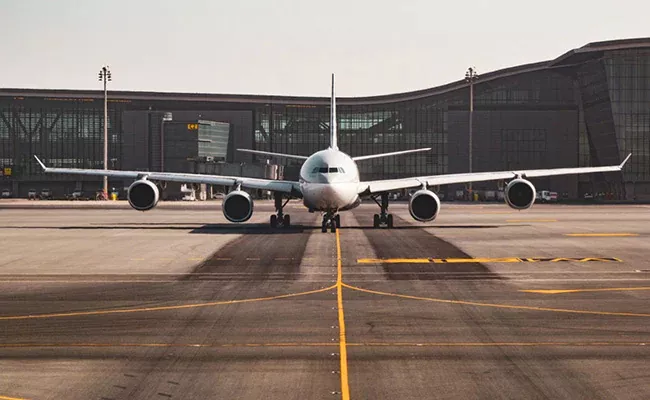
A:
<point x="395" y="153"/>
<point x="268" y="153"/>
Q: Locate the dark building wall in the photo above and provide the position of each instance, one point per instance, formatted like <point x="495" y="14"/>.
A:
<point x="587" y="107"/>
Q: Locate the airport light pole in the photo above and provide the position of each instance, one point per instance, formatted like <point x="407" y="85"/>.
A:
<point x="471" y="77"/>
<point x="105" y="76"/>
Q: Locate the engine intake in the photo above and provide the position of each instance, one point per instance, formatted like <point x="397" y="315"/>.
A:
<point x="237" y="206"/>
<point x="424" y="205"/>
<point x="520" y="194"/>
<point x="143" y="195"/>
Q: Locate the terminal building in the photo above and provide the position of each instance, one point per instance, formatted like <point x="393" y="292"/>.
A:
<point x="590" y="106"/>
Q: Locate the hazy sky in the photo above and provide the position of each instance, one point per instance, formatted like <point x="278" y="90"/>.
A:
<point x="291" y="46"/>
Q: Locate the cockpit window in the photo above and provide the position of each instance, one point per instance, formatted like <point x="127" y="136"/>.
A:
<point x="327" y="170"/>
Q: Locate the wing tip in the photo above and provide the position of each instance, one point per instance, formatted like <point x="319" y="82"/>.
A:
<point x="40" y="163"/>
<point x="625" y="161"/>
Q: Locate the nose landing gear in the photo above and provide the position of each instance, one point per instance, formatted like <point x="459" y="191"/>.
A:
<point x="383" y="218"/>
<point x="280" y="219"/>
<point x="331" y="221"/>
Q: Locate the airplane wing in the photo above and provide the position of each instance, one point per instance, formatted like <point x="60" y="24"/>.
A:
<point x="268" y="153"/>
<point x="370" y="187"/>
<point x="288" y="187"/>
<point x="394" y="153"/>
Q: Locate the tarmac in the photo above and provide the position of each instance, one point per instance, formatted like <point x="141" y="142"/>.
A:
<point x="98" y="301"/>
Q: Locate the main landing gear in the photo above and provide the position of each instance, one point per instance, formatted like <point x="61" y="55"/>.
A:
<point x="280" y="219"/>
<point x="331" y="220"/>
<point x="383" y="218"/>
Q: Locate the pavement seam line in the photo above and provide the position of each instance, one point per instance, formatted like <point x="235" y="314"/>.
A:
<point x="343" y="351"/>
<point x="508" y="306"/>
<point x="317" y="344"/>
<point x="163" y="308"/>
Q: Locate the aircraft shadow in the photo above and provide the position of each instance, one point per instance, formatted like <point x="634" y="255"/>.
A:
<point x="215" y="229"/>
<point x="408" y="227"/>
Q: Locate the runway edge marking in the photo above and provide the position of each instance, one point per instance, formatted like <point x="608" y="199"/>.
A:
<point x="343" y="350"/>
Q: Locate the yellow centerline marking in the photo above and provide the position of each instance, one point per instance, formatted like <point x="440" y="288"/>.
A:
<point x="483" y="260"/>
<point x="531" y="220"/>
<point x="11" y="398"/>
<point x="162" y="308"/>
<point x="559" y="291"/>
<point x="507" y="306"/>
<point x="343" y="350"/>
<point x="601" y="234"/>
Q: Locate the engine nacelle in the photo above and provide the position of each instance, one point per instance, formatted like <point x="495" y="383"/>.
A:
<point x="520" y="194"/>
<point x="424" y="205"/>
<point x="237" y="206"/>
<point x="143" y="195"/>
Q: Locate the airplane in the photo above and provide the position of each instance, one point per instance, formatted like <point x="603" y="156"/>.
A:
<point x="329" y="183"/>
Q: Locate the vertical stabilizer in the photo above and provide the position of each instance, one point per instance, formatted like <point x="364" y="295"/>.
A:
<point x="333" y="133"/>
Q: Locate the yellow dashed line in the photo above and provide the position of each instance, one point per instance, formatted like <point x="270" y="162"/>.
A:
<point x="508" y="306"/>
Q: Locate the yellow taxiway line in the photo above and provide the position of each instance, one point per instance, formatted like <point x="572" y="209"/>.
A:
<point x="601" y="234"/>
<point x="507" y="306"/>
<point x="483" y="260"/>
<point x="343" y="350"/>
<point x="11" y="398"/>
<point x="161" y="308"/>
<point x="560" y="291"/>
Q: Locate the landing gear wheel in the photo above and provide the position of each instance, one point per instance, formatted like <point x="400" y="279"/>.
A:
<point x="375" y="221"/>
<point x="324" y="226"/>
<point x="274" y="221"/>
<point x="333" y="225"/>
<point x="338" y="220"/>
<point x="389" y="221"/>
<point x="286" y="221"/>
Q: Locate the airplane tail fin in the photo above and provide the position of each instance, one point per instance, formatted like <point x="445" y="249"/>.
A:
<point x="333" y="132"/>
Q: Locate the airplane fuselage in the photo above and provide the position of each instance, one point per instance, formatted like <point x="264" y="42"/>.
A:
<point x="329" y="181"/>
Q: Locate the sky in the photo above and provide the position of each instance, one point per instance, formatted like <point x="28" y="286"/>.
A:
<point x="290" y="47"/>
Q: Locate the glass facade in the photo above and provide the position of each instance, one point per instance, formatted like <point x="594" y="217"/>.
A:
<point x="587" y="107"/>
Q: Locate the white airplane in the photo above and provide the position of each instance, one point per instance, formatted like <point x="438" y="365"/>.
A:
<point x="329" y="183"/>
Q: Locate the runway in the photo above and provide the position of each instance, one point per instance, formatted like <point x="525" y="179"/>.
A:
<point x="176" y="303"/>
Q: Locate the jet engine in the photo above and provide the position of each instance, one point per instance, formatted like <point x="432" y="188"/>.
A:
<point x="424" y="205"/>
<point x="237" y="206"/>
<point x="520" y="194"/>
<point x="143" y="195"/>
